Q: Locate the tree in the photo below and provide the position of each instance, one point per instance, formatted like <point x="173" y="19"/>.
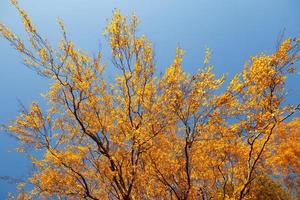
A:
<point x="141" y="136"/>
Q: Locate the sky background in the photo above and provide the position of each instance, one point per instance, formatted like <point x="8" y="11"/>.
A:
<point x="234" y="30"/>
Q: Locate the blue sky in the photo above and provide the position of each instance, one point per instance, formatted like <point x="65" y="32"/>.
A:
<point x="234" y="30"/>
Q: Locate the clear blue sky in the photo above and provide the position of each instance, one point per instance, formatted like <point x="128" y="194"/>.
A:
<point x="233" y="29"/>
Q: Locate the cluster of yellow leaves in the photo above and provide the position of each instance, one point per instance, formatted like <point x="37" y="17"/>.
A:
<point x="283" y="154"/>
<point x="177" y="136"/>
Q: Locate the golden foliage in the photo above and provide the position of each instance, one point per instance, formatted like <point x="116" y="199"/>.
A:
<point x="177" y="136"/>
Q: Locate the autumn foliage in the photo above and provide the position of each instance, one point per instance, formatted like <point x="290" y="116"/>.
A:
<point x="143" y="136"/>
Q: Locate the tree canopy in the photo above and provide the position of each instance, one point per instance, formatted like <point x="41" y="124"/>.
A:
<point x="149" y="136"/>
